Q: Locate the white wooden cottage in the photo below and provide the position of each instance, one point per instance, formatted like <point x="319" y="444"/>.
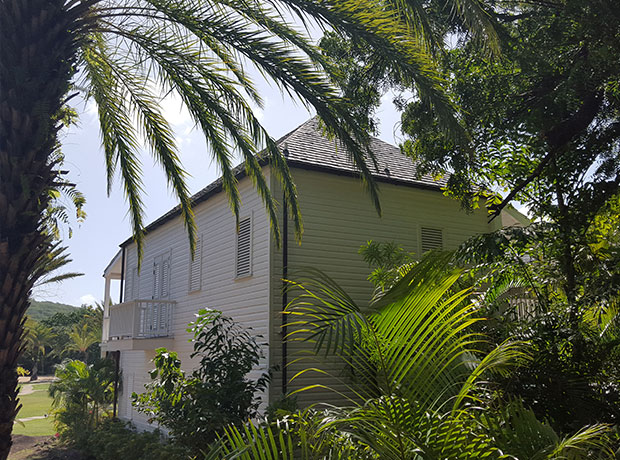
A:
<point x="240" y="272"/>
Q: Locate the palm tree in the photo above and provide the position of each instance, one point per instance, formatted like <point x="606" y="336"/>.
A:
<point x="124" y="55"/>
<point x="39" y="340"/>
<point x="419" y="390"/>
<point x="83" y="393"/>
<point x="81" y="337"/>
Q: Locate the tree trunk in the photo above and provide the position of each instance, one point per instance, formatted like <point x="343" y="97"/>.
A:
<point x="38" y="45"/>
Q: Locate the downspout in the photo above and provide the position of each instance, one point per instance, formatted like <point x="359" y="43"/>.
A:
<point x="284" y="288"/>
<point x="122" y="275"/>
<point x="117" y="359"/>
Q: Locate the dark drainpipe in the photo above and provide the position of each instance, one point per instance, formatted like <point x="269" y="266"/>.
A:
<point x="116" y="355"/>
<point x="284" y="288"/>
<point x="120" y="300"/>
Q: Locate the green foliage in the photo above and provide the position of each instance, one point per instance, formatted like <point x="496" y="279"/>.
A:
<point x="39" y="345"/>
<point x="423" y="390"/>
<point x="197" y="407"/>
<point x="22" y="372"/>
<point x="113" y="440"/>
<point x="389" y="262"/>
<point x="572" y="378"/>
<point x="82" y="395"/>
<point x="72" y="334"/>
<point x="128" y="67"/>
<point x="82" y="337"/>
<point x="40" y="310"/>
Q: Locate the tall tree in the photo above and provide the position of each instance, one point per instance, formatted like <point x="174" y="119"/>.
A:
<point x="126" y="54"/>
<point x="39" y="340"/>
<point x="81" y="337"/>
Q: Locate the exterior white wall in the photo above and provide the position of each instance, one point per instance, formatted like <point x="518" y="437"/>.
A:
<point x="338" y="218"/>
<point x="132" y="365"/>
<point x="246" y="300"/>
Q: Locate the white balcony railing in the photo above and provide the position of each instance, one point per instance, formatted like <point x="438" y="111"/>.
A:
<point x="141" y="319"/>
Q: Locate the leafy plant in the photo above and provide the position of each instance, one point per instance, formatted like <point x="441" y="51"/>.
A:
<point x="114" y="440"/>
<point x="82" y="396"/>
<point x="22" y="372"/>
<point x="389" y="262"/>
<point x="217" y="393"/>
<point x="423" y="390"/>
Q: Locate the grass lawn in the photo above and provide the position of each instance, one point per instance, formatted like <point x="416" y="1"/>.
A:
<point x="37" y="403"/>
<point x="38" y="427"/>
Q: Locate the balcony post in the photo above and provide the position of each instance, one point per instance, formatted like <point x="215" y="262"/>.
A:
<point x="105" y="330"/>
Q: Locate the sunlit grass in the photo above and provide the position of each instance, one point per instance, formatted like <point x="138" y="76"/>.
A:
<point x="37" y="403"/>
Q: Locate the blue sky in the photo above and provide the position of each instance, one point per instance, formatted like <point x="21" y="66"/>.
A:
<point x="95" y="241"/>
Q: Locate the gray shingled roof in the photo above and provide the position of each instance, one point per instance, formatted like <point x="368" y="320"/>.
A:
<point x="308" y="148"/>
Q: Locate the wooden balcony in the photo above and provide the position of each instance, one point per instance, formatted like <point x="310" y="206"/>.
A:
<point x="139" y="320"/>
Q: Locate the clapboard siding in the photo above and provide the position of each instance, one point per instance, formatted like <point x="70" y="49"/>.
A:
<point x="133" y="379"/>
<point x="338" y="218"/>
<point x="245" y="299"/>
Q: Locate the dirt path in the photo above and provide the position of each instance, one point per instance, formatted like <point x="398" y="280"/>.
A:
<point x="36" y="417"/>
<point x="26" y="389"/>
<point x="25" y="446"/>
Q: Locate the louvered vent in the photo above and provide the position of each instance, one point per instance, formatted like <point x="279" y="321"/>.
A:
<point x="244" y="248"/>
<point x="432" y="238"/>
<point x="195" y="267"/>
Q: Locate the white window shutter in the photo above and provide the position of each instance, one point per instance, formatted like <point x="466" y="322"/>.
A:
<point x="157" y="278"/>
<point x="244" y="248"/>
<point x="431" y="238"/>
<point x="195" y="267"/>
<point x="165" y="278"/>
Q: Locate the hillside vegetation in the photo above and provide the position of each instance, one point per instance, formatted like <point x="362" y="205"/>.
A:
<point x="40" y="310"/>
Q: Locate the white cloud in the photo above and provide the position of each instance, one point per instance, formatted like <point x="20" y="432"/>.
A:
<point x="175" y="112"/>
<point x="88" y="299"/>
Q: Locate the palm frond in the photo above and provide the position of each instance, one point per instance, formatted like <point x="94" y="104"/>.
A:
<point x="120" y="141"/>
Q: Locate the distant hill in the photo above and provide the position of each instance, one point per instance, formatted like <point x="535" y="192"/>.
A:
<point x="39" y="310"/>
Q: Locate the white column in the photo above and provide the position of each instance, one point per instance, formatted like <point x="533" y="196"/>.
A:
<point x="106" y="310"/>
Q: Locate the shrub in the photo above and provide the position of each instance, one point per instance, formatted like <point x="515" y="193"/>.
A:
<point x="82" y="396"/>
<point x="216" y="394"/>
<point x="116" y="440"/>
<point x="22" y="372"/>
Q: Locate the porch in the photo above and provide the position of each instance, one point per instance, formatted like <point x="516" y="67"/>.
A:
<point x="143" y="324"/>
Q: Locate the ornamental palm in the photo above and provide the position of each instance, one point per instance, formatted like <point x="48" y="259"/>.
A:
<point x="81" y="337"/>
<point x="420" y="393"/>
<point x="125" y="54"/>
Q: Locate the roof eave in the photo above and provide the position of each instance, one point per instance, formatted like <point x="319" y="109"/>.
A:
<point x="217" y="187"/>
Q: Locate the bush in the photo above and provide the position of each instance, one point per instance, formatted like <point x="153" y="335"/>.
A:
<point x="117" y="440"/>
<point x="22" y="372"/>
<point x="82" y="396"/>
<point x="216" y="394"/>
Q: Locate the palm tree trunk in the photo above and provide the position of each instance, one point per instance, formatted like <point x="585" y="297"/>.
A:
<point x="37" y="53"/>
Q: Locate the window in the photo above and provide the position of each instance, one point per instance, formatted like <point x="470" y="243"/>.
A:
<point x="132" y="289"/>
<point x="430" y="238"/>
<point x="161" y="277"/>
<point x="243" y="262"/>
<point x="195" y="267"/>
